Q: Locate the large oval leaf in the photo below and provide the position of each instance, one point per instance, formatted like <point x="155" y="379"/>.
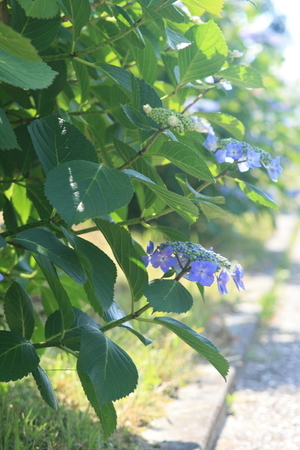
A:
<point x="82" y="190"/>
<point x="168" y="296"/>
<point x="109" y="368"/>
<point x="19" y="311"/>
<point x="18" y="356"/>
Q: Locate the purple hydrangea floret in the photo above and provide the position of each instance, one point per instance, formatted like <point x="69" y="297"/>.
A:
<point x="203" y="272"/>
<point x="234" y="150"/>
<point x="275" y="169"/>
<point x="253" y="159"/>
<point x="211" y="142"/>
<point x="163" y="259"/>
<point x="222" y="280"/>
<point x="237" y="275"/>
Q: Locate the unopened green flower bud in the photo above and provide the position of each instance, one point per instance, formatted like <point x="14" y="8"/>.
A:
<point x="147" y="108"/>
<point x="173" y="121"/>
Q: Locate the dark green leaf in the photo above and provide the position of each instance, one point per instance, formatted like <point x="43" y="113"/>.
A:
<point x="24" y="74"/>
<point x="139" y="119"/>
<point x="126" y="255"/>
<point x="60" y="295"/>
<point x="205" y="56"/>
<point x="44" y="385"/>
<point x="56" y="141"/>
<point x="110" y="369"/>
<point x="83" y="80"/>
<point x="35" y="193"/>
<point x="17" y="357"/>
<point x="42" y="9"/>
<point x="255" y="194"/>
<point x="146" y="61"/>
<point x="82" y="190"/>
<point x="106" y="412"/>
<point x="102" y="272"/>
<point x="8" y="138"/>
<point x="168" y="296"/>
<point x="198" y="342"/>
<point x="46" y="244"/>
<point x="176" y="41"/>
<point x="19" y="311"/>
<point x="79" y="11"/>
<point x="242" y="76"/>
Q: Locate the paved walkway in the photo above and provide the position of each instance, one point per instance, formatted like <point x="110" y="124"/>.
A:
<point x="266" y="404"/>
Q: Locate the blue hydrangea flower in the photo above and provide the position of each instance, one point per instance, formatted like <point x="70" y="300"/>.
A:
<point x="222" y="280"/>
<point x="274" y="169"/>
<point x="149" y="250"/>
<point x="234" y="150"/>
<point x="203" y="272"/>
<point x="221" y="156"/>
<point x="211" y="142"/>
<point x="237" y="275"/>
<point x="163" y="259"/>
<point x="253" y="159"/>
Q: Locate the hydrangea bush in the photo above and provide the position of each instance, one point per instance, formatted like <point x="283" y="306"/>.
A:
<point x="94" y="97"/>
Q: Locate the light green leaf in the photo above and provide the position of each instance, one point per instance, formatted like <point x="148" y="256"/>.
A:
<point x="126" y="254"/>
<point x="229" y="123"/>
<point x="44" y="386"/>
<point x="198" y="342"/>
<point x="42" y="9"/>
<point x="106" y="413"/>
<point x="109" y="368"/>
<point x="186" y="159"/>
<point x="46" y="244"/>
<point x="24" y="74"/>
<point x="8" y="138"/>
<point x="255" y="194"/>
<point x="19" y="311"/>
<point x="175" y="40"/>
<point x="205" y="56"/>
<point x="83" y="80"/>
<point x="171" y="233"/>
<point x="146" y="62"/>
<point x="210" y="210"/>
<point x="82" y="190"/>
<point x="18" y="356"/>
<point x="168" y="296"/>
<point x="56" y="141"/>
<point x="242" y="76"/>
<point x="79" y="11"/>
<point x="16" y="44"/>
<point x="101" y="271"/>
<point x="214" y="7"/>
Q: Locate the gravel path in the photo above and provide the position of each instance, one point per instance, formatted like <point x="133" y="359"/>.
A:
<point x="266" y="405"/>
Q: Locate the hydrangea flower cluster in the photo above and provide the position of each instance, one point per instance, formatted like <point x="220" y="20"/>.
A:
<point x="195" y="262"/>
<point x="246" y="155"/>
<point x="167" y="118"/>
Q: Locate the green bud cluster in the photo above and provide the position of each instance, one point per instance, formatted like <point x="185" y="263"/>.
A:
<point x="265" y="157"/>
<point x="166" y="118"/>
<point x="195" y="252"/>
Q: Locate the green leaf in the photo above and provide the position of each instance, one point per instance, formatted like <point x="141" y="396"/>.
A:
<point x="168" y="296"/>
<point x="124" y="17"/>
<point x="17" y="356"/>
<point x="35" y="193"/>
<point x="198" y="342"/>
<point x="56" y="141"/>
<point x="171" y="233"/>
<point x="60" y="295"/>
<point x="146" y="62"/>
<point x="186" y="159"/>
<point x="118" y="75"/>
<point x="214" y="7"/>
<point x="101" y="271"/>
<point x="83" y="80"/>
<point x="46" y="244"/>
<point x="242" y="76"/>
<point x="79" y="11"/>
<point x="229" y="123"/>
<point x="139" y="119"/>
<point x="19" y="311"/>
<point x="255" y="194"/>
<point x="2" y="242"/>
<point x="109" y="368"/>
<point x="41" y="32"/>
<point x="44" y="386"/>
<point x="8" y="138"/>
<point x="24" y="74"/>
<point x="210" y="210"/>
<point x="42" y="9"/>
<point x="126" y="255"/>
<point x="106" y="413"/>
<point x="16" y="44"/>
<point x="82" y="190"/>
<point x="205" y="56"/>
<point x="180" y="204"/>
<point x="175" y="40"/>
<point x="115" y="312"/>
